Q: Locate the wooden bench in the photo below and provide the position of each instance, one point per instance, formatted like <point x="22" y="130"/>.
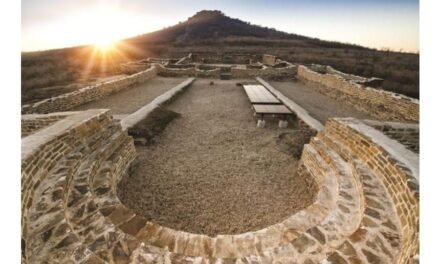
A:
<point x="280" y="110"/>
<point x="258" y="94"/>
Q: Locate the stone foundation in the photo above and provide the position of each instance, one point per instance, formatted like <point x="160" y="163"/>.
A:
<point x="266" y="72"/>
<point x="366" y="210"/>
<point x="269" y="59"/>
<point x="87" y="94"/>
<point x="181" y="70"/>
<point x="379" y="103"/>
<point x="406" y="134"/>
<point x="34" y="122"/>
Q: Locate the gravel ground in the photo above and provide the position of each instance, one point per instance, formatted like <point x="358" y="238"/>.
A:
<point x="212" y="171"/>
<point x="130" y="100"/>
<point x="318" y="105"/>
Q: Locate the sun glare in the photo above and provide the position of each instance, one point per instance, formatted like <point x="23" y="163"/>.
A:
<point x="105" y="45"/>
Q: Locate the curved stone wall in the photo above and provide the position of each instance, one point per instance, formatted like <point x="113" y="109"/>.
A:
<point x="379" y="103"/>
<point x="395" y="166"/>
<point x="34" y="122"/>
<point x="366" y="210"/>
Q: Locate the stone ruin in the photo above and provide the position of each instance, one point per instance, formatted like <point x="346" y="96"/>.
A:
<point x="366" y="210"/>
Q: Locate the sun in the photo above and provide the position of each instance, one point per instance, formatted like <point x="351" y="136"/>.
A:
<point x="105" y="45"/>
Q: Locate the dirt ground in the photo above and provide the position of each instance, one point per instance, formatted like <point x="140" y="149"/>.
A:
<point x="212" y="171"/>
<point x="319" y="106"/>
<point x="130" y="100"/>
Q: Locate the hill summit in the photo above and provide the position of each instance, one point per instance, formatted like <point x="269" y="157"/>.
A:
<point x="213" y="24"/>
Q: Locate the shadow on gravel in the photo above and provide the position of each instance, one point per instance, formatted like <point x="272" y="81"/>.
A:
<point x="292" y="143"/>
<point x="145" y="132"/>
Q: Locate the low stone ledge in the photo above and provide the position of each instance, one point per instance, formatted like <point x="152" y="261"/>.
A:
<point x="34" y="122"/>
<point x="31" y="144"/>
<point x="396" y="150"/>
<point x="134" y="118"/>
<point x="406" y="134"/>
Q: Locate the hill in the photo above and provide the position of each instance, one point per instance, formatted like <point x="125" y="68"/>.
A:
<point x="213" y="32"/>
<point x="214" y="27"/>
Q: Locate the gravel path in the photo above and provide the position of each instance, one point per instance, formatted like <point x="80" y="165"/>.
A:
<point x="318" y="105"/>
<point x="130" y="100"/>
<point x="213" y="171"/>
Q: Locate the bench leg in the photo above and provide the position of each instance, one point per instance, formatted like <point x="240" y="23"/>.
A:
<point x="261" y="123"/>
<point x="282" y="124"/>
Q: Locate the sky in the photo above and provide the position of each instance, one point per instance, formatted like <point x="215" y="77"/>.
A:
<point x="392" y="24"/>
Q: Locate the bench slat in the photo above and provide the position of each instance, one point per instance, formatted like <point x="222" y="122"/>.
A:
<point x="271" y="109"/>
<point x="258" y="94"/>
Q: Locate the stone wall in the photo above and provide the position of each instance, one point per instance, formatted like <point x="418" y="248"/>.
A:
<point x="381" y="104"/>
<point x="132" y="68"/>
<point x="34" y="122"/>
<point x="184" y="71"/>
<point x="58" y="164"/>
<point x="395" y="166"/>
<point x="236" y="72"/>
<point x="406" y="134"/>
<point x="366" y="208"/>
<point x="351" y="77"/>
<point x="87" y="94"/>
<point x="185" y="59"/>
<point x="176" y="72"/>
<point x="266" y="72"/>
<point x="235" y="58"/>
<point x="269" y="59"/>
<point x="371" y="82"/>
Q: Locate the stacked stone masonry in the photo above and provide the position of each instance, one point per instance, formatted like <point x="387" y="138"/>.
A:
<point x="68" y="101"/>
<point x="381" y="104"/>
<point x="269" y="59"/>
<point x="270" y="73"/>
<point x="191" y="71"/>
<point x="366" y="210"/>
<point x="34" y="122"/>
<point x="406" y="134"/>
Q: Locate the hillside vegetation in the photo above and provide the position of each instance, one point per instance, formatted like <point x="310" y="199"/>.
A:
<point x="213" y="32"/>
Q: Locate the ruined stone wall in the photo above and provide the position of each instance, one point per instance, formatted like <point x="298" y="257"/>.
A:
<point x="331" y="70"/>
<point x="183" y="71"/>
<point x="87" y="94"/>
<point x="395" y="167"/>
<point x="406" y="134"/>
<point x="58" y="164"/>
<point x="132" y="68"/>
<point x="185" y="59"/>
<point x="224" y="58"/>
<point x="269" y="59"/>
<point x="176" y="72"/>
<point x="236" y="72"/>
<point x="380" y="104"/>
<point x="268" y="72"/>
<point x="34" y="122"/>
<point x="366" y="208"/>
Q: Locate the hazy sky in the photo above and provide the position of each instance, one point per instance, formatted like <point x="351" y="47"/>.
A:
<point x="48" y="24"/>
